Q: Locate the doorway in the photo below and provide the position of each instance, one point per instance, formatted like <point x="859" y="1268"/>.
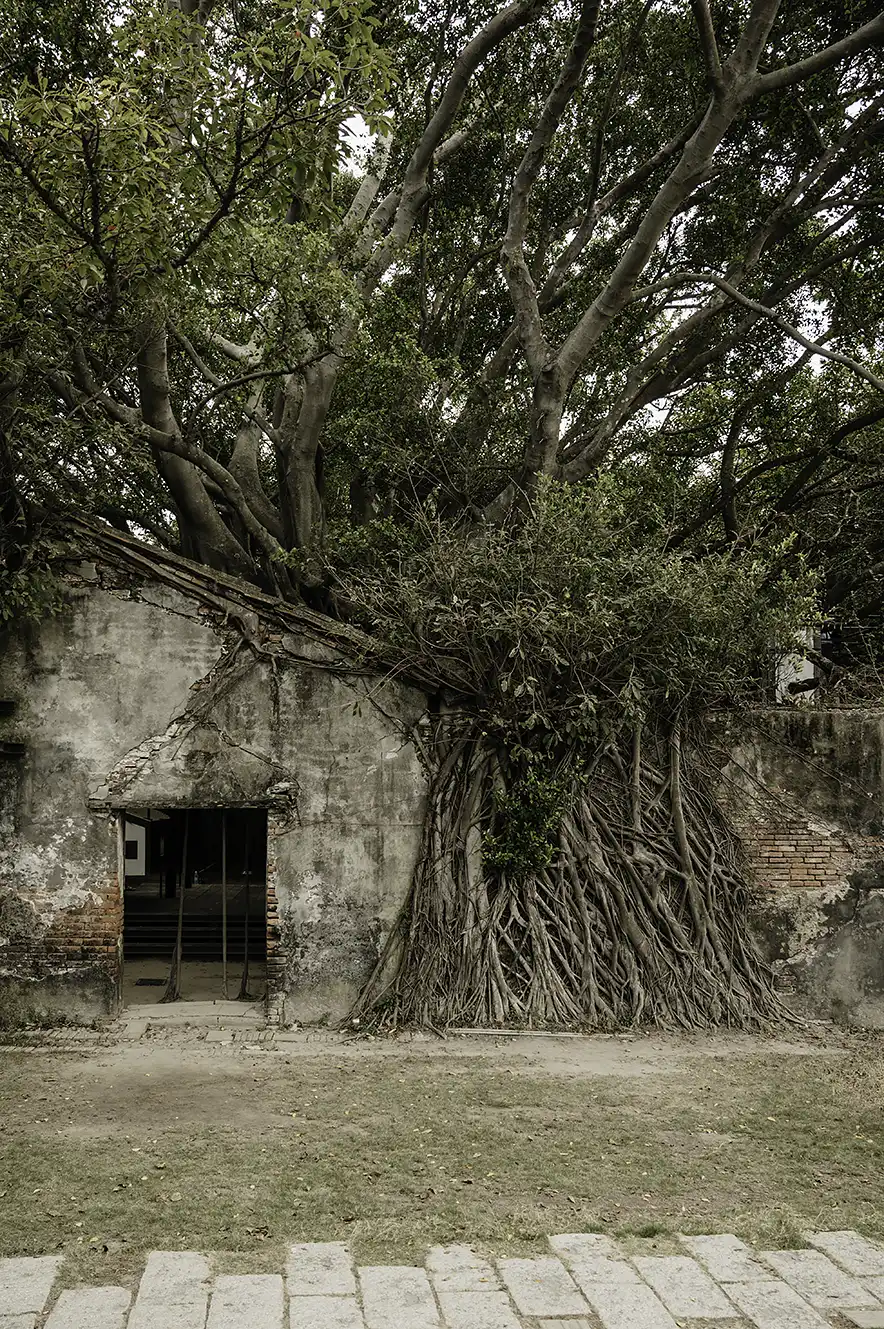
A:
<point x="194" y="904"/>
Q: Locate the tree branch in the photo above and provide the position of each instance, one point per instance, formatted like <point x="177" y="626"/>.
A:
<point x="10" y="152"/>
<point x="370" y="183"/>
<point x="413" y="192"/>
<point x="753" y="39"/>
<point x="871" y="34"/>
<point x="169" y="440"/>
<point x="710" y="278"/>
<point x="233" y="350"/>
<point x="708" y="44"/>
<point x="521" y="286"/>
<point x="221" y="386"/>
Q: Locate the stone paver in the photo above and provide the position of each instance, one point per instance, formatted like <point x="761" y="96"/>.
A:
<point x="325" y="1313"/>
<point x="397" y="1297"/>
<point x="91" y="1308"/>
<point x="728" y="1259"/>
<point x="247" y="1301"/>
<point x="588" y="1283"/>
<point x="851" y="1251"/>
<point x="320" y="1269"/>
<point x="820" y="1282"/>
<point x="770" y="1304"/>
<point x="629" y="1306"/>
<point x="564" y="1324"/>
<point x="477" y="1310"/>
<point x="593" y="1258"/>
<point x="864" y="1319"/>
<point x="571" y="1246"/>
<point x="173" y="1292"/>
<point x="26" y="1282"/>
<point x="587" y="1273"/>
<point x="541" y="1286"/>
<point x="460" y="1269"/>
<point x="684" y="1287"/>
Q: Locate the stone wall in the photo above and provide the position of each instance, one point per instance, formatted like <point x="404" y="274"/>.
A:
<point x="806" y="788"/>
<point x="135" y="696"/>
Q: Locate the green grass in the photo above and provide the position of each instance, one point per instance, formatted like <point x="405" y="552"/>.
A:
<point x="398" y="1151"/>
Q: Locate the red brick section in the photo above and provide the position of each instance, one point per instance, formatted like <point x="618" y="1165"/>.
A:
<point x="83" y="939"/>
<point x="796" y="852"/>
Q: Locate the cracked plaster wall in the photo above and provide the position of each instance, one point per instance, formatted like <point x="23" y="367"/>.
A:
<point x="132" y="697"/>
<point x="806" y="788"/>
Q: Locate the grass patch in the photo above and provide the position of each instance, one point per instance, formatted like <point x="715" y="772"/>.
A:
<point x="397" y="1151"/>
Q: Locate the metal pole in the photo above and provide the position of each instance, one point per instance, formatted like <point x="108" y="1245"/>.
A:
<point x="173" y="987"/>
<point x="224" y="903"/>
<point x="244" y="994"/>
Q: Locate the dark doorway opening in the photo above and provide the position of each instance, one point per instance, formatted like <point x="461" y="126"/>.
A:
<point x="198" y="874"/>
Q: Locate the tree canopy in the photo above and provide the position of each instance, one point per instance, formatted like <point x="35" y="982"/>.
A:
<point x="539" y="341"/>
<point x="276" y="274"/>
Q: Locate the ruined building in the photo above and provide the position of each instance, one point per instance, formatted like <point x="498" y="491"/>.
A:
<point x="157" y="753"/>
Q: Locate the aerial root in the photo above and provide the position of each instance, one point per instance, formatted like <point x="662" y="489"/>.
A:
<point x="641" y="917"/>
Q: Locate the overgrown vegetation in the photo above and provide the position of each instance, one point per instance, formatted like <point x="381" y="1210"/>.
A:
<point x="575" y="867"/>
<point x="558" y="383"/>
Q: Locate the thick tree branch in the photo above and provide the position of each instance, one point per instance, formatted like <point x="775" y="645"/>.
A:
<point x="708" y="43"/>
<point x="221" y="386"/>
<point x="752" y="41"/>
<point x="370" y="183"/>
<point x="155" y="424"/>
<point x="413" y="193"/>
<point x="247" y="355"/>
<point x="515" y="267"/>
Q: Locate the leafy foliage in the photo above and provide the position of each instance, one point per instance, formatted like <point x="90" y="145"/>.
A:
<point x="231" y="331"/>
<point x="30" y="587"/>
<point x="526" y="818"/>
<point x="580" y="618"/>
<point x="563" y="383"/>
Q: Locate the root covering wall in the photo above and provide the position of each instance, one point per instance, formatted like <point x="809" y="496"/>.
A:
<point x="135" y="696"/>
<point x="806" y="788"/>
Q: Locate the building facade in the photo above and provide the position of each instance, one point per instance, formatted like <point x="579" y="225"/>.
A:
<point x="138" y="702"/>
<point x="162" y="766"/>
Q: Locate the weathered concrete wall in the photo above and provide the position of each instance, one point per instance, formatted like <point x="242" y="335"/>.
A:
<point x="132" y="697"/>
<point x="806" y="787"/>
<point x="135" y="696"/>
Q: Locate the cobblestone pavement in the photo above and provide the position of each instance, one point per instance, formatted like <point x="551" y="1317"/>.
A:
<point x="585" y="1282"/>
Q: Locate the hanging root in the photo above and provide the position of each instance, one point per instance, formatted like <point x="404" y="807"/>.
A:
<point x="641" y="917"/>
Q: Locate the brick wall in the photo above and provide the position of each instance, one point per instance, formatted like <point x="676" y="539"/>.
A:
<point x="90" y="935"/>
<point x="84" y="938"/>
<point x="797" y="852"/>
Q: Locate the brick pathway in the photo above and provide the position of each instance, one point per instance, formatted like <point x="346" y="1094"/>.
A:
<point x="585" y="1282"/>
